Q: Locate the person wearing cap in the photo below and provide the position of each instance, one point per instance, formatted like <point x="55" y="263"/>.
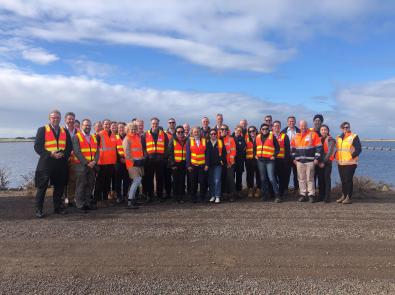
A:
<point x="251" y="165"/>
<point x="318" y="120"/>
<point x="325" y="164"/>
<point x="291" y="131"/>
<point x="348" y="149"/>
<point x="228" y="170"/>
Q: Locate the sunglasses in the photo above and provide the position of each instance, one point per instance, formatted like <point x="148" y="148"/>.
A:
<point x="250" y="131"/>
<point x="223" y="129"/>
<point x="179" y="132"/>
<point x="213" y="133"/>
<point x="172" y="122"/>
<point x="265" y="129"/>
<point x="346" y="127"/>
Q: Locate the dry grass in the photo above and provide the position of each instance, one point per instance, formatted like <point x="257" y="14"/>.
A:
<point x="364" y="186"/>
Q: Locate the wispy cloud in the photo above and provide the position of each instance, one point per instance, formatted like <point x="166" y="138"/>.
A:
<point x="39" y="56"/>
<point x="91" y="68"/>
<point x="218" y="34"/>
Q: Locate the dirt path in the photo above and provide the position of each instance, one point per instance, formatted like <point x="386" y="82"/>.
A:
<point x="240" y="248"/>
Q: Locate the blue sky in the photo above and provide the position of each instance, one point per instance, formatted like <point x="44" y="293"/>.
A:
<point x="189" y="59"/>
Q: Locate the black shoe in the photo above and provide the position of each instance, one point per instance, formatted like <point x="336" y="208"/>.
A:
<point x="180" y="201"/>
<point x="39" y="214"/>
<point x="312" y="199"/>
<point x="232" y="199"/>
<point x="60" y="211"/>
<point x="71" y="205"/>
<point x="302" y="199"/>
<point x="120" y="201"/>
<point x="83" y="209"/>
<point x="132" y="205"/>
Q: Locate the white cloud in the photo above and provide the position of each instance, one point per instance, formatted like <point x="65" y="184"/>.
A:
<point x="219" y="34"/>
<point x="39" y="56"/>
<point x="92" y="68"/>
<point x="27" y="97"/>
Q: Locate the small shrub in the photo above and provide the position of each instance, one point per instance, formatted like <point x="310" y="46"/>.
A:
<point x="28" y="181"/>
<point x="4" y="178"/>
<point x="364" y="185"/>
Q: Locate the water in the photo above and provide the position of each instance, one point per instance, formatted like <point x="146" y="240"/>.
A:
<point x="20" y="159"/>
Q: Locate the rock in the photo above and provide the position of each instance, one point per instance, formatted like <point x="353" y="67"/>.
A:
<point x="385" y="188"/>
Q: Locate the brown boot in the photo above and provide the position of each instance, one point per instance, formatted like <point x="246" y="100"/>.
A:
<point x="342" y="198"/>
<point x="347" y="200"/>
<point x="250" y="193"/>
<point x="257" y="193"/>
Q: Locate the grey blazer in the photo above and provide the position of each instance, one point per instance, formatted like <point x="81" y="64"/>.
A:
<point x="82" y="166"/>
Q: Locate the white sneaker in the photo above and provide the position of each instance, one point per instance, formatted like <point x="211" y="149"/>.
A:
<point x="217" y="200"/>
<point x="212" y="199"/>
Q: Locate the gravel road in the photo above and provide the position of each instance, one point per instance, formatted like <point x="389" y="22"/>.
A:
<point x="247" y="247"/>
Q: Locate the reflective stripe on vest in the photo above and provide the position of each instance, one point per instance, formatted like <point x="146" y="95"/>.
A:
<point x="345" y="150"/>
<point x="179" y="151"/>
<point x="88" y="150"/>
<point x="198" y="156"/>
<point x="108" y="149"/>
<point x="266" y="149"/>
<point x="249" y="148"/>
<point x="281" y="143"/>
<point x="120" y="150"/>
<point x="51" y="144"/>
<point x="230" y="146"/>
<point x="152" y="148"/>
<point x="136" y="149"/>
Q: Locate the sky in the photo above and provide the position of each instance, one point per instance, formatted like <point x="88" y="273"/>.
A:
<point x="188" y="59"/>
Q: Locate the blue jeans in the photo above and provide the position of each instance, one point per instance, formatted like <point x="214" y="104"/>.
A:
<point x="267" y="173"/>
<point x="214" y="180"/>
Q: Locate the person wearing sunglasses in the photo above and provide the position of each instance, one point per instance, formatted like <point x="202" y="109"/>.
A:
<point x="239" y="158"/>
<point x="251" y="165"/>
<point x="266" y="149"/>
<point x="215" y="160"/>
<point x="177" y="162"/>
<point x="196" y="165"/>
<point x="348" y="149"/>
<point x="325" y="164"/>
<point x="170" y="132"/>
<point x="228" y="170"/>
<point x="205" y="129"/>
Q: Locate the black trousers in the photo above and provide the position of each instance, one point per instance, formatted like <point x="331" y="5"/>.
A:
<point x="168" y="180"/>
<point x="292" y="168"/>
<point x="57" y="176"/>
<point x="281" y="171"/>
<point x="179" y="174"/>
<point x="103" y="181"/>
<point x="198" y="177"/>
<point x="228" y="179"/>
<point x="239" y="169"/>
<point x="154" y="168"/>
<point x="252" y="172"/>
<point x="346" y="173"/>
<point x="324" y="181"/>
<point x="122" y="181"/>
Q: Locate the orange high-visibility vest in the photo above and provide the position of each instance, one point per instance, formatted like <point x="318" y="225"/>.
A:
<point x="136" y="149"/>
<point x="180" y="151"/>
<point x="51" y="143"/>
<point x="88" y="150"/>
<point x="265" y="149"/>
<point x="326" y="148"/>
<point x="198" y="156"/>
<point x="249" y="148"/>
<point x="345" y="150"/>
<point x="152" y="148"/>
<point x="281" y="143"/>
<point x="230" y="146"/>
<point x="120" y="150"/>
<point x="108" y="148"/>
<point x="169" y="135"/>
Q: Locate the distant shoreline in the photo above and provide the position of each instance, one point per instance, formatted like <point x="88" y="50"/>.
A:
<point x="379" y="140"/>
<point x="6" y="140"/>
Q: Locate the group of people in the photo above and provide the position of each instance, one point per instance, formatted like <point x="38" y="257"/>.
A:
<point x="118" y="162"/>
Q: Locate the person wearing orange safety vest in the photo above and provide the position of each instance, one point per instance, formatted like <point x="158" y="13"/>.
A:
<point x="215" y="160"/>
<point x="254" y="187"/>
<point x="266" y="149"/>
<point x="134" y="160"/>
<point x="86" y="156"/>
<point x="177" y="153"/>
<point x="240" y="143"/>
<point x="168" y="172"/>
<point x="108" y="157"/>
<point x="53" y="145"/>
<point x="282" y="159"/>
<point x="306" y="150"/>
<point x="325" y="165"/>
<point x="228" y="170"/>
<point x="348" y="149"/>
<point x="155" y="143"/>
<point x="196" y="165"/>
<point x="122" y="180"/>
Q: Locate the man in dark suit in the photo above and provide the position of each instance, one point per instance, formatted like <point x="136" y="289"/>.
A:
<point x="53" y="145"/>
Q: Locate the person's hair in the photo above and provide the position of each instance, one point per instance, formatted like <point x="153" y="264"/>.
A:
<point x="105" y="120"/>
<point x="252" y="127"/>
<point x="225" y="126"/>
<point x="264" y="124"/>
<point x="326" y="126"/>
<point x="277" y="121"/>
<point x="76" y="121"/>
<point x="171" y="119"/>
<point x="344" y="123"/>
<point x="122" y="123"/>
<point x="155" y="118"/>
<point x="291" y="117"/>
<point x="114" y="122"/>
<point x="197" y="128"/>
<point x="84" y="120"/>
<point x="130" y="125"/>
<point x="269" y="116"/>
<point x="55" y="112"/>
<point x="205" y="118"/>
<point x="219" y="114"/>
<point x="134" y="120"/>
<point x="96" y="123"/>
<point x="180" y="127"/>
<point x="69" y="114"/>
<point x="239" y="126"/>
